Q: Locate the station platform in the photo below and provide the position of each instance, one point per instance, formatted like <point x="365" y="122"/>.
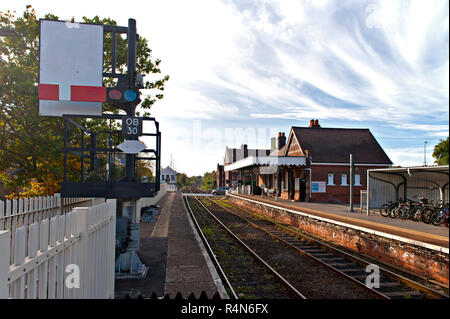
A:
<point x="414" y="231"/>
<point x="176" y="258"/>
<point x="189" y="269"/>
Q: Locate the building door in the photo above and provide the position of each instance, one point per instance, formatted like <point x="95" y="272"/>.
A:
<point x="302" y="189"/>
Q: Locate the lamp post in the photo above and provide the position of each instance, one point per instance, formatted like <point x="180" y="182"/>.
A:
<point x="425" y="153"/>
<point x="351" y="185"/>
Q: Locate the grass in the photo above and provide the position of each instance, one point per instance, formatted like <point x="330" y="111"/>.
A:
<point x="207" y="231"/>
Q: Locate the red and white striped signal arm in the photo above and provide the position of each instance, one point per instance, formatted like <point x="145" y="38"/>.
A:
<point x="75" y="93"/>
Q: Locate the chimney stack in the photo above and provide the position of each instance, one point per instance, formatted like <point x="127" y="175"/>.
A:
<point x="281" y="140"/>
<point x="244" y="147"/>
<point x="273" y="143"/>
<point x="314" y="124"/>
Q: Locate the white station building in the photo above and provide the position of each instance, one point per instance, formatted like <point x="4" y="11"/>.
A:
<point x="169" y="177"/>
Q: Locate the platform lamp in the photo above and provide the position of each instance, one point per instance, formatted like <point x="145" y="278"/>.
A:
<point x="425" y="153"/>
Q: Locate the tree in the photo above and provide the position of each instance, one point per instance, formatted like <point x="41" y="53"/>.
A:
<point x="145" y="169"/>
<point x="209" y="181"/>
<point x="31" y="145"/>
<point x="183" y="180"/>
<point x="440" y="152"/>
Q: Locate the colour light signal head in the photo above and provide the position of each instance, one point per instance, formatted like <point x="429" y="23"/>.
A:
<point x="121" y="95"/>
<point x="130" y="95"/>
<point x="115" y="94"/>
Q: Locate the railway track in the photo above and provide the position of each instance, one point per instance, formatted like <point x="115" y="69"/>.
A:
<point x="256" y="279"/>
<point x="392" y="285"/>
<point x="311" y="279"/>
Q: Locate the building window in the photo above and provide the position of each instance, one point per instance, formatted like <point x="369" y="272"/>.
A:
<point x="162" y="177"/>
<point x="331" y="179"/>
<point x="344" y="179"/>
<point x="173" y="177"/>
<point x="357" y="180"/>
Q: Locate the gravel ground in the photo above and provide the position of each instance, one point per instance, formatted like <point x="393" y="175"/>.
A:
<point x="313" y="280"/>
<point x="248" y="277"/>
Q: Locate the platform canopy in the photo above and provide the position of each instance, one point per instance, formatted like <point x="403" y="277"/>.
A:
<point x="252" y="161"/>
<point x="399" y="183"/>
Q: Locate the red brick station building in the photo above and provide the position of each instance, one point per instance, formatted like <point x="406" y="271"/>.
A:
<point x="312" y="164"/>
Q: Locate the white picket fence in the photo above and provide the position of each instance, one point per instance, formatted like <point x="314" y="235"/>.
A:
<point x="40" y="241"/>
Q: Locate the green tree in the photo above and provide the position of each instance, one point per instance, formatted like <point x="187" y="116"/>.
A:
<point x="31" y="145"/>
<point x="209" y="181"/>
<point x="440" y="152"/>
<point x="183" y="180"/>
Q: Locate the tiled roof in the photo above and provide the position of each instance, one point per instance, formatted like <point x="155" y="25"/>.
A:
<point x="168" y="170"/>
<point x="276" y="152"/>
<point x="333" y="145"/>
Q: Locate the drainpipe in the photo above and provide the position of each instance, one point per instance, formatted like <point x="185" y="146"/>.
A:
<point x="310" y="184"/>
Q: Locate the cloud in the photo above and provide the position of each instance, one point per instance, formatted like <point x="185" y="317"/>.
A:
<point x="383" y="65"/>
<point x="410" y="156"/>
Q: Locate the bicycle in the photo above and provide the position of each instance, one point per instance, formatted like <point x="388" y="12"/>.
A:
<point x="397" y="210"/>
<point x="386" y="208"/>
<point x="429" y="212"/>
<point x="416" y="214"/>
<point x="438" y="215"/>
<point x="446" y="219"/>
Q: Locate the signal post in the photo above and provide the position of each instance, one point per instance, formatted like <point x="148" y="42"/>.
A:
<point x="71" y="86"/>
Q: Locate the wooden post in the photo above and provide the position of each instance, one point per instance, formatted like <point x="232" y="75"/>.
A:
<point x="82" y="251"/>
<point x="111" y="244"/>
<point x="4" y="264"/>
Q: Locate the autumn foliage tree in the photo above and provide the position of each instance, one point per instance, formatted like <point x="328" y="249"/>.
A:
<point x="31" y="145"/>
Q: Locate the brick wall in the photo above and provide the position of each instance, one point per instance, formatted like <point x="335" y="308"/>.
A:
<point x="338" y="193"/>
<point x="230" y="177"/>
<point x="220" y="176"/>
<point x="420" y="260"/>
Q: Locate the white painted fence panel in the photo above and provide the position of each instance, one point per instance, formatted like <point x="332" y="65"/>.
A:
<point x="41" y="247"/>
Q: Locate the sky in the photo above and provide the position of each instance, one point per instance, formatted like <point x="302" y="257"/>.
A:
<point x="243" y="70"/>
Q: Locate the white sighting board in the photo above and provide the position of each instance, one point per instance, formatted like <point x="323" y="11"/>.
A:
<point x="71" y="54"/>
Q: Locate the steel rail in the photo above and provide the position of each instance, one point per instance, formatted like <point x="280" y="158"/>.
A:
<point x="289" y="285"/>
<point x="209" y="249"/>
<point x="408" y="282"/>
<point x="308" y="255"/>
